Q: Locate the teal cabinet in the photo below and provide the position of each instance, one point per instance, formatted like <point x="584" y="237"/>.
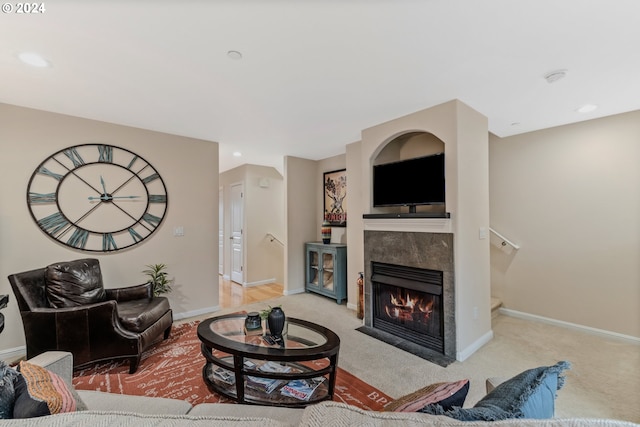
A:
<point x="326" y="270"/>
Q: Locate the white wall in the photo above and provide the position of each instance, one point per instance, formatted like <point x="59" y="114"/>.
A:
<point x="189" y="168"/>
<point x="570" y="197"/>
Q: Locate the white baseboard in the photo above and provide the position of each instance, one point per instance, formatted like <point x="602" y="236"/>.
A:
<point x="194" y="313"/>
<point x="13" y="353"/>
<point x="259" y="282"/>
<point x="352" y="306"/>
<point x="293" y="291"/>
<point x="561" y="323"/>
<point x="463" y="355"/>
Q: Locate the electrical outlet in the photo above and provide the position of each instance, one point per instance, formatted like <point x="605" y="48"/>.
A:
<point x="475" y="312"/>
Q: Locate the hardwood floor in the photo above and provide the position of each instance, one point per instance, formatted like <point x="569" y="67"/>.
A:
<point x="234" y="295"/>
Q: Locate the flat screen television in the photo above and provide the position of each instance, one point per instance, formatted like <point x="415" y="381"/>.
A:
<point x="411" y="182"/>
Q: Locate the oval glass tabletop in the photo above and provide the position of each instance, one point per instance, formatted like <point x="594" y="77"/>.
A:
<point x="295" y="334"/>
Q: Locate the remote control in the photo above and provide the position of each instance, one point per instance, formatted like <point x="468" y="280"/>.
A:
<point x="268" y="340"/>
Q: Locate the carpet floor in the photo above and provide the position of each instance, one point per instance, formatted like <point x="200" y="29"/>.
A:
<point x="604" y="380"/>
<point x="173" y="369"/>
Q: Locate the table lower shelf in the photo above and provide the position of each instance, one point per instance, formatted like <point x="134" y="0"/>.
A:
<point x="255" y="390"/>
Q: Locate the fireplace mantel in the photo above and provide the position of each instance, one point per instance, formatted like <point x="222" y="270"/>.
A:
<point x="415" y="225"/>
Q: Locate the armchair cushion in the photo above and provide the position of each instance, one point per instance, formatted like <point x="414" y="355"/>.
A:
<point x="138" y="315"/>
<point x="74" y="283"/>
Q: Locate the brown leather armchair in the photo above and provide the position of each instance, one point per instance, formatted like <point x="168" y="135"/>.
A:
<point x="64" y="306"/>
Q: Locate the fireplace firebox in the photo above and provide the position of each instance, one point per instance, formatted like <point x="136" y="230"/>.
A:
<point x="407" y="303"/>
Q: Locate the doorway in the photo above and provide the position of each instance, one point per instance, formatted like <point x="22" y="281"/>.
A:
<point x="237" y="238"/>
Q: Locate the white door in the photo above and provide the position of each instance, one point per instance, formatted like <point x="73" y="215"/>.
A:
<point x="220" y="231"/>
<point x="237" y="244"/>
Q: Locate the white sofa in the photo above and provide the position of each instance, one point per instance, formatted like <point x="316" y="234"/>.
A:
<point x="107" y="409"/>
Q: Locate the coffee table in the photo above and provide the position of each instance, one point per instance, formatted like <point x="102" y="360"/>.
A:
<point x="247" y="369"/>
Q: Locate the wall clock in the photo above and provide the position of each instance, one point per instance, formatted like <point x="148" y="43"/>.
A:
<point x="97" y="197"/>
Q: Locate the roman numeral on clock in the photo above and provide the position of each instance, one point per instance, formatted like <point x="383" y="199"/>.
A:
<point x="151" y="219"/>
<point x="157" y="198"/>
<point x="134" y="235"/>
<point x="53" y="223"/>
<point x="78" y="238"/>
<point x="108" y="243"/>
<point x="37" y="198"/>
<point x="105" y="154"/>
<point x="74" y="156"/>
<point x="150" y="178"/>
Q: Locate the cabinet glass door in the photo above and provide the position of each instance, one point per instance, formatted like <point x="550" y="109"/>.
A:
<point x="314" y="267"/>
<point x="327" y="271"/>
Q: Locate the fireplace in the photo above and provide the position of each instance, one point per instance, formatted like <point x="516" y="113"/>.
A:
<point x="404" y="269"/>
<point x="407" y="302"/>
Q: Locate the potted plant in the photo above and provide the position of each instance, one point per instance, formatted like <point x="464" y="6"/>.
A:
<point x="158" y="278"/>
<point x="264" y="314"/>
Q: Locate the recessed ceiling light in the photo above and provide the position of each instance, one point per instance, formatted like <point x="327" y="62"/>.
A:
<point x="34" y="59"/>
<point x="587" y="108"/>
<point x="234" y="54"/>
<point x="237" y="154"/>
<point x="554" y="76"/>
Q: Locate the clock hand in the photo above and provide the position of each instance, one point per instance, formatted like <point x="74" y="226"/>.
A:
<point x="107" y="197"/>
<point x="103" y="186"/>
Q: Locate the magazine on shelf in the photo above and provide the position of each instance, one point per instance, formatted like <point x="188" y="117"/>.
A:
<point x="267" y="385"/>
<point x="225" y="375"/>
<point x="302" y="389"/>
<point x="274" y="367"/>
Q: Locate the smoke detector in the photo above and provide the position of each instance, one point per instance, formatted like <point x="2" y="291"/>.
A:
<point x="554" y="76"/>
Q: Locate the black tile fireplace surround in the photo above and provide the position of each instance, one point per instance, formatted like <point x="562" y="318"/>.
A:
<point x="418" y="250"/>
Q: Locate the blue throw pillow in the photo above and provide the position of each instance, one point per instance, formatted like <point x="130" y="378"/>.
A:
<point x="7" y="390"/>
<point x="530" y="394"/>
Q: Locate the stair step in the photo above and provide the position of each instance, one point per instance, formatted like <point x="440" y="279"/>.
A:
<point x="496" y="303"/>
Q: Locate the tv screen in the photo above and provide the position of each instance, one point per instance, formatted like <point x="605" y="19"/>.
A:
<point x="411" y="182"/>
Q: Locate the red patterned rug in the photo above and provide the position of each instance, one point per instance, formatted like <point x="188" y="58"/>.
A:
<point x="173" y="369"/>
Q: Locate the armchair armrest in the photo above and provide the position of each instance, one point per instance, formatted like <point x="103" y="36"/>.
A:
<point x="130" y="293"/>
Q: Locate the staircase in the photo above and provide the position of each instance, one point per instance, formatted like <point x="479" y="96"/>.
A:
<point x="495" y="307"/>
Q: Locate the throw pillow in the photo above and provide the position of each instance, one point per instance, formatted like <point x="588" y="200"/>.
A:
<point x="446" y="394"/>
<point x="7" y="390"/>
<point x="530" y="394"/>
<point x="41" y="392"/>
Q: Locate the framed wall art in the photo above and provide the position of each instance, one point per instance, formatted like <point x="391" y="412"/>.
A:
<point x="334" y="185"/>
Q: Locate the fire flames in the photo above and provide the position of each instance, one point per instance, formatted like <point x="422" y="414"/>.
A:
<point x="409" y="309"/>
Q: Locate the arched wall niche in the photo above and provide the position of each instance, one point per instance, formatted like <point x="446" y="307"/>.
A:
<point x="408" y="145"/>
<point x="403" y="146"/>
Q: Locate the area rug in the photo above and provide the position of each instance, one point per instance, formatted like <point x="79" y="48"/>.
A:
<point x="173" y="369"/>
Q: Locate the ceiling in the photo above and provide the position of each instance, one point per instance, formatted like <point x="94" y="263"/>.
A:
<point x="314" y="73"/>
